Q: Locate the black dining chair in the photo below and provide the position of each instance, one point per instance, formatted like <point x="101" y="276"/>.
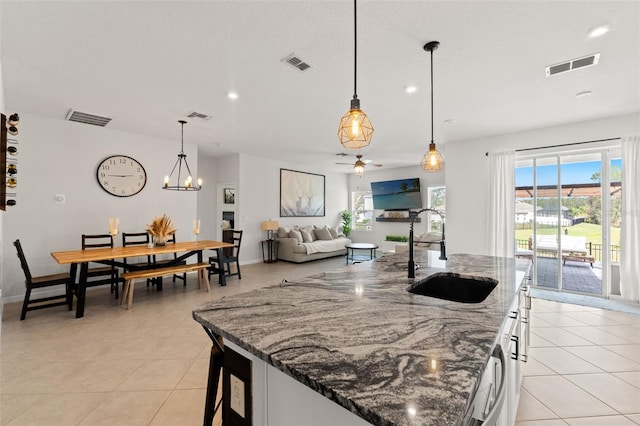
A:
<point x="32" y="282"/>
<point x="106" y="274"/>
<point x="223" y="264"/>
<point x="136" y="239"/>
<point x="183" y="276"/>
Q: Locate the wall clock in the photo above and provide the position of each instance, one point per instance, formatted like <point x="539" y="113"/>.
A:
<point x="121" y="175"/>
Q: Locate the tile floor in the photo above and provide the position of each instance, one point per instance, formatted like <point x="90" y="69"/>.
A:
<point x="584" y="367"/>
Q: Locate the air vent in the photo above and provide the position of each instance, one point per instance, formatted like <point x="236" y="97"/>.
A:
<point x="574" y="64"/>
<point x="342" y="154"/>
<point x="296" y="62"/>
<point x="86" y="118"/>
<point x="198" y="115"/>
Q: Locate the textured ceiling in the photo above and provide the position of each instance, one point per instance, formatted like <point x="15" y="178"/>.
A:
<point x="148" y="64"/>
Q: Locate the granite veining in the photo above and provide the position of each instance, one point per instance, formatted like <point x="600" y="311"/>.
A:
<point x="358" y="337"/>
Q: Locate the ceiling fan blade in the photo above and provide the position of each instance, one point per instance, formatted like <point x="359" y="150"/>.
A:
<point x="346" y="164"/>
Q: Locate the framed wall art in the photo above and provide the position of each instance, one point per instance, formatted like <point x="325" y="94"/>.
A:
<point x="301" y="194"/>
<point x="229" y="196"/>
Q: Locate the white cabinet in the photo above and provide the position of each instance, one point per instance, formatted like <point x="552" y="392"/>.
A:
<point x="280" y="400"/>
<point x="513" y="339"/>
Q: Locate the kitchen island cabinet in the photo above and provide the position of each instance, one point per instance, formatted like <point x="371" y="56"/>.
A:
<point x="356" y="338"/>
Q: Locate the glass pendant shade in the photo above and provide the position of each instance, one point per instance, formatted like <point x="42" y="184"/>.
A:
<point x="432" y="160"/>
<point x="355" y="130"/>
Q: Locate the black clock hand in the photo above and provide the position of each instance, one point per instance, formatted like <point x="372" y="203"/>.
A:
<point x="120" y="175"/>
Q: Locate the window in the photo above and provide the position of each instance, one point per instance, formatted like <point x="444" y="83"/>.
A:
<point x="362" y="208"/>
<point x="436" y="196"/>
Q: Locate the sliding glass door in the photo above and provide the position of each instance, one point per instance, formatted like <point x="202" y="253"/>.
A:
<point x="567" y="219"/>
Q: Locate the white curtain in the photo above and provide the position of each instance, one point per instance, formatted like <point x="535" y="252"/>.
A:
<point x="502" y="204"/>
<point x="630" y="235"/>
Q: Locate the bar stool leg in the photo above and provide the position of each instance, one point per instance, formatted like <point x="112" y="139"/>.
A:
<point x="215" y="367"/>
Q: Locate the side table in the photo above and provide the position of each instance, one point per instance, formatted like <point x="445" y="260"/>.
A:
<point x="270" y="251"/>
<point x="351" y="256"/>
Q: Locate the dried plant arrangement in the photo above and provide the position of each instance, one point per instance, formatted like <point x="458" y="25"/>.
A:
<point x="160" y="228"/>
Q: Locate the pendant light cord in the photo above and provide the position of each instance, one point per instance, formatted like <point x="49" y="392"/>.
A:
<point x="182" y="135"/>
<point x="355" y="51"/>
<point x="182" y="123"/>
<point x="431" y="95"/>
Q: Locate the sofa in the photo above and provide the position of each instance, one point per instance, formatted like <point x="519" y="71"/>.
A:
<point x="300" y="244"/>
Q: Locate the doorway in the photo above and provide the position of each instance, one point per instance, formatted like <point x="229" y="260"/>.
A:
<point x="226" y="215"/>
<point x="568" y="218"/>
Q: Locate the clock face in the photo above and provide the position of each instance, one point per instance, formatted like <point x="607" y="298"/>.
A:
<point x="121" y="176"/>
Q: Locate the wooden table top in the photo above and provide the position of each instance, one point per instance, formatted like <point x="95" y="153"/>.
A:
<point x="91" y="255"/>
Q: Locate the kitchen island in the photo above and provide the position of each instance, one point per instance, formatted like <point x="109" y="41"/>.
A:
<point x="358" y="337"/>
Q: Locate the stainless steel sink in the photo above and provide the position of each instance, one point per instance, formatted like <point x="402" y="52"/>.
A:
<point x="452" y="287"/>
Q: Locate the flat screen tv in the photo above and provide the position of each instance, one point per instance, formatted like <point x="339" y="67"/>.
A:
<point x="401" y="194"/>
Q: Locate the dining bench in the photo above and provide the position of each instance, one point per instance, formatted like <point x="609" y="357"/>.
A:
<point x="131" y="277"/>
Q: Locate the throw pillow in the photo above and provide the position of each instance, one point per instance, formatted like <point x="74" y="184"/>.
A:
<point x="323" y="234"/>
<point x="296" y="234"/>
<point x="333" y="232"/>
<point x="283" y="232"/>
<point x="309" y="230"/>
<point x="306" y="236"/>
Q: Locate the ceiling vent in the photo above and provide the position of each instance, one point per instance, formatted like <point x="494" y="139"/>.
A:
<point x="198" y="115"/>
<point x="574" y="64"/>
<point x="86" y="118"/>
<point x="296" y="62"/>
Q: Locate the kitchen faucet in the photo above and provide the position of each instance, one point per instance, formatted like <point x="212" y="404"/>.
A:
<point x="443" y="252"/>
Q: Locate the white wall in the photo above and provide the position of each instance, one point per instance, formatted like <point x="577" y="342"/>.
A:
<point x="60" y="157"/>
<point x="467" y="173"/>
<point x="381" y="229"/>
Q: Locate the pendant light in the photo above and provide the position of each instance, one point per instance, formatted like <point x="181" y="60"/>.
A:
<point x="188" y="184"/>
<point x="355" y="129"/>
<point x="432" y="160"/>
<point x="358" y="167"/>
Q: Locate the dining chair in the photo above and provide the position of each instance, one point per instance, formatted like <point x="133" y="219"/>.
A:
<point x="183" y="276"/>
<point x="32" y="282"/>
<point x="136" y="239"/>
<point x="223" y="264"/>
<point x="101" y="241"/>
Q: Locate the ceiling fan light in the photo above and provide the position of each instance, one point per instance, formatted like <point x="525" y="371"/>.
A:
<point x="358" y="167"/>
<point x="432" y="161"/>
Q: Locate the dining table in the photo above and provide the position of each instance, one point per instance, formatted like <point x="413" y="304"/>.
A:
<point x="116" y="255"/>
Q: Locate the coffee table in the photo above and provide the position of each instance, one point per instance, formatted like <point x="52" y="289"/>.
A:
<point x="351" y="256"/>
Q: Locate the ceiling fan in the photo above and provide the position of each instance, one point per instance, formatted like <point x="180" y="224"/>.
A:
<point x="359" y="165"/>
<point x="368" y="162"/>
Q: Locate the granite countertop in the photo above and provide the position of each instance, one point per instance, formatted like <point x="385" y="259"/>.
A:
<point x="358" y="337"/>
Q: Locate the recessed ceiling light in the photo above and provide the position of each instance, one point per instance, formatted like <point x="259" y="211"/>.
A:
<point x="584" y="94"/>
<point x="410" y="89"/>
<point x="598" y="31"/>
<point x="232" y="95"/>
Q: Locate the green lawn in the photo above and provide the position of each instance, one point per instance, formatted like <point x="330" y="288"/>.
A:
<point x="589" y="230"/>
